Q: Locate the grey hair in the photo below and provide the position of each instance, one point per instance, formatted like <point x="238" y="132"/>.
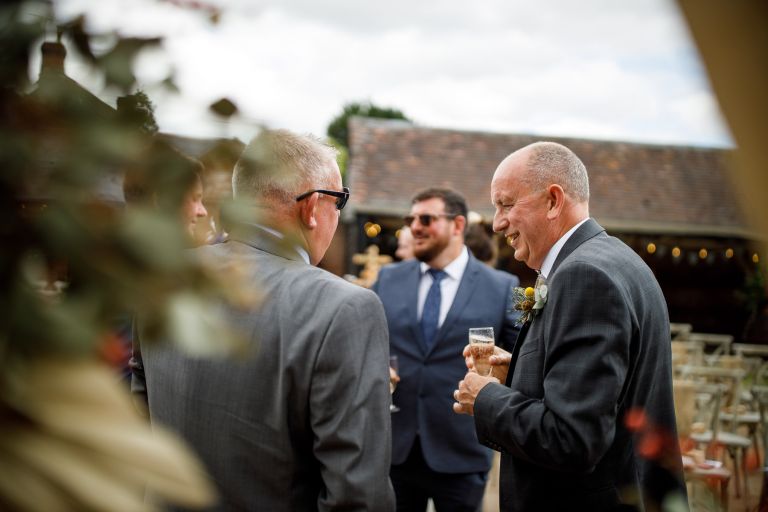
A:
<point x="278" y="165"/>
<point x="550" y="162"/>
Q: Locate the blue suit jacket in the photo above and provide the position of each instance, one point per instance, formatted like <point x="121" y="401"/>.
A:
<point x="428" y="378"/>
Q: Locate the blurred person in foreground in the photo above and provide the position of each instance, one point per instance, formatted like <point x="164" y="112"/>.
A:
<point x="165" y="180"/>
<point x="481" y="244"/>
<point x="582" y="409"/>
<point x="431" y="302"/>
<point x="168" y="180"/>
<point x="301" y="422"/>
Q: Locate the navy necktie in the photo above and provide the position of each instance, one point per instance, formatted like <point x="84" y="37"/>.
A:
<point x="430" y="314"/>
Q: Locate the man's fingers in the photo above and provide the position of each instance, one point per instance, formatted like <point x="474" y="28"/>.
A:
<point x="500" y="359"/>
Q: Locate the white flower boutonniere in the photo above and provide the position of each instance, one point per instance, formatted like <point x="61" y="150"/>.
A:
<point x="529" y="301"/>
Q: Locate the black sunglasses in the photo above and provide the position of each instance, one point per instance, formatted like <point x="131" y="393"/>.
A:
<point x="341" y="197"/>
<point x="425" y="219"/>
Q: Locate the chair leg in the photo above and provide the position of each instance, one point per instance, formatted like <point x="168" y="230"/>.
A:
<point x="724" y="494"/>
<point x="744" y="472"/>
<point x="733" y="453"/>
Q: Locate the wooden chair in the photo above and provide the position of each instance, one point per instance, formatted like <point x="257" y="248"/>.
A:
<point x="720" y="344"/>
<point x="760" y="393"/>
<point x="745" y="413"/>
<point x="749" y="349"/>
<point x="687" y="353"/>
<point x="716" y="433"/>
<point x="678" y="331"/>
<point x="697" y="408"/>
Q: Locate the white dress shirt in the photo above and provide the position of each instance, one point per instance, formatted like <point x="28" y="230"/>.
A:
<point x="448" y="286"/>
<point x="546" y="267"/>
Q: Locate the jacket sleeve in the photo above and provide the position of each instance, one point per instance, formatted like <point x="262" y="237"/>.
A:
<point x="349" y="408"/>
<point x="586" y="339"/>
<point x="138" y="379"/>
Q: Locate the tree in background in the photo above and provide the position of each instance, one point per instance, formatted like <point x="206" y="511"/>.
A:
<point x="338" y="129"/>
<point x="136" y="110"/>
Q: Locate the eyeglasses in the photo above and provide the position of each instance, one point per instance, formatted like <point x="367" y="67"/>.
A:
<point x="425" y="219"/>
<point x="341" y="197"/>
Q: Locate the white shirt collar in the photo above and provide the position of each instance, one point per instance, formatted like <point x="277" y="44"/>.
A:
<point x="454" y="269"/>
<point x="549" y="261"/>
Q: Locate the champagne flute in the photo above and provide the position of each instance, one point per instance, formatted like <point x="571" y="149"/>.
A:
<point x="392" y="384"/>
<point x="481" y="343"/>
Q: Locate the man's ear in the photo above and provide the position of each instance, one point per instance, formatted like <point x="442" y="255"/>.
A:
<point x="461" y="223"/>
<point x="555" y="201"/>
<point x="307" y="209"/>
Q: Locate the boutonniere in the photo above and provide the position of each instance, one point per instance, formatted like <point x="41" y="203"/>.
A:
<point x="529" y="301"/>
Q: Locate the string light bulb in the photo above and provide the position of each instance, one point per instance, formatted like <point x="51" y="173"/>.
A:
<point x="676" y="252"/>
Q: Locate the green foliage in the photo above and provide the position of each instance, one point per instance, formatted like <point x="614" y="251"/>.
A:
<point x="341" y="158"/>
<point x="338" y="129"/>
<point x="136" y="110"/>
<point x="62" y="153"/>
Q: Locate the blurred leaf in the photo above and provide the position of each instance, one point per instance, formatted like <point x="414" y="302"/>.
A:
<point x="76" y="439"/>
<point x="81" y="39"/>
<point x="18" y="32"/>
<point x="170" y="84"/>
<point x="118" y="62"/>
<point x="224" y="108"/>
<point x="195" y="322"/>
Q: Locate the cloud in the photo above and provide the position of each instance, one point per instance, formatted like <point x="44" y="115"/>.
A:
<point x="596" y="68"/>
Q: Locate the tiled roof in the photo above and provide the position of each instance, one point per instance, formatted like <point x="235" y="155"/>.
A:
<point x="634" y="187"/>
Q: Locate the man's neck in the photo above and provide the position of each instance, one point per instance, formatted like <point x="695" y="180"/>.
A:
<point x="448" y="255"/>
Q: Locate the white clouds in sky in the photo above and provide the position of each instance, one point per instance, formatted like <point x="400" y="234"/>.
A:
<point x="595" y="68"/>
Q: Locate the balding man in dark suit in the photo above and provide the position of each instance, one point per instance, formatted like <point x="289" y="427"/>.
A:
<point x="594" y="353"/>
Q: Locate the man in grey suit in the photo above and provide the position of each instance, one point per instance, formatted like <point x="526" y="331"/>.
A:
<point x="431" y="303"/>
<point x="585" y="419"/>
<point x="302" y="422"/>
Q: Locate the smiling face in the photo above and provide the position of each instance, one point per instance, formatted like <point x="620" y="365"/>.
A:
<point x="521" y="212"/>
<point x="430" y="241"/>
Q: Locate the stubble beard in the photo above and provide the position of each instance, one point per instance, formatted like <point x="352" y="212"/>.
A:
<point x="428" y="254"/>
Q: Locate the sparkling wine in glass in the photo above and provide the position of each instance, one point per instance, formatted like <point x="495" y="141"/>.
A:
<point x="481" y="344"/>
<point x="392" y="384"/>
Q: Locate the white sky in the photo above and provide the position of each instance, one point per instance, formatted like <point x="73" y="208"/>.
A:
<point x="606" y="69"/>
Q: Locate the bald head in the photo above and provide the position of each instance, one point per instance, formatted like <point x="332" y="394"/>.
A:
<point x="550" y="162"/>
<point x="540" y="192"/>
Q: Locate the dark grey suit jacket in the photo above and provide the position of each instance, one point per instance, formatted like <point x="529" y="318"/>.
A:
<point x="301" y="423"/>
<point x="428" y="377"/>
<point x="599" y="348"/>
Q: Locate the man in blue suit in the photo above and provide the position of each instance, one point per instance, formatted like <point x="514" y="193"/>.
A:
<point x="430" y="304"/>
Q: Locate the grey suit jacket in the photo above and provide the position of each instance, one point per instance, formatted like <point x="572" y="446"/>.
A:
<point x="598" y="349"/>
<point x="302" y="423"/>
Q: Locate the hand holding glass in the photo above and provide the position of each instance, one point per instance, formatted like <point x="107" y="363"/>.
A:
<point x="481" y="343"/>
<point x="393" y="382"/>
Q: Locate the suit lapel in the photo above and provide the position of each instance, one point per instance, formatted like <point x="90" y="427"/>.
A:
<point x="586" y="231"/>
<point x="411" y="291"/>
<point x="516" y="351"/>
